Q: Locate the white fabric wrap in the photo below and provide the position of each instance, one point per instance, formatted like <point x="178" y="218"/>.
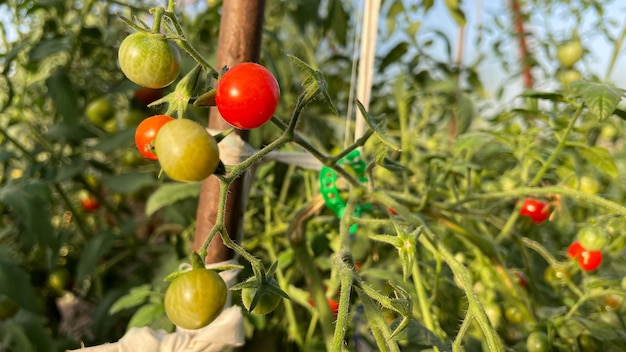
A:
<point x="225" y="332"/>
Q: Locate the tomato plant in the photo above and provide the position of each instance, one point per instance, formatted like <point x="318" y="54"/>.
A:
<point x="149" y="60"/>
<point x="538" y="211"/>
<point x="589" y="260"/>
<point x="195" y="298"/>
<point x="146" y="133"/>
<point x="186" y="151"/>
<point x="247" y="95"/>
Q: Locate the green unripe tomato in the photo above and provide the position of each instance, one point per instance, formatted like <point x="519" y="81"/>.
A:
<point x="149" y="60"/>
<point x="100" y="111"/>
<point x="569" y="53"/>
<point x="186" y="151"/>
<point x="195" y="298"/>
<point x="592" y="238"/>
<point x="537" y="341"/>
<point x="266" y="304"/>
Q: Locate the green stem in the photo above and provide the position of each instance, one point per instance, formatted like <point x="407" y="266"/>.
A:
<point x="528" y="191"/>
<point x="158" y="17"/>
<point x="458" y="340"/>
<point x="429" y="239"/>
<point x="591" y="295"/>
<point x="423" y="301"/>
<point x="83" y="229"/>
<point x="563" y="140"/>
<point x="280" y="277"/>
<point x="537" y="247"/>
<point x="617" y="48"/>
<point x="345" y="273"/>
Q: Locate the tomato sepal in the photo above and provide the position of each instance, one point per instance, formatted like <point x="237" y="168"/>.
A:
<point x="205" y="100"/>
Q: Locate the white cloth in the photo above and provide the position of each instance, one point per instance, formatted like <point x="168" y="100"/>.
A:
<point x="234" y="150"/>
<point x="225" y="332"/>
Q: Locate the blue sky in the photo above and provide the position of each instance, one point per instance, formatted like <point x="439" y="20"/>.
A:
<point x="561" y="25"/>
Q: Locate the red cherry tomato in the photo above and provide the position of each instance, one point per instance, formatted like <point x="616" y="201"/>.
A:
<point x="574" y="250"/>
<point x="589" y="260"/>
<point x="247" y="95"/>
<point x="146" y="133"/>
<point x="90" y="204"/>
<point x="536" y="210"/>
<point x="332" y="304"/>
<point x="521" y="279"/>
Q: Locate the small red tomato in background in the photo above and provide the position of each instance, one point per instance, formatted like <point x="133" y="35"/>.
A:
<point x="146" y="133"/>
<point x="589" y="260"/>
<point x="144" y="96"/>
<point x="538" y="211"/>
<point x="247" y="95"/>
<point x="574" y="250"/>
<point x="332" y="304"/>
<point x="90" y="204"/>
<point x="521" y="279"/>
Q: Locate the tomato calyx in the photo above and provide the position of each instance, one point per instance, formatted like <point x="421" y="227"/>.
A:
<point x="260" y="296"/>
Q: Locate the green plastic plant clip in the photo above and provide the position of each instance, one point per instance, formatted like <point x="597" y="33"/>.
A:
<point x="354" y="164"/>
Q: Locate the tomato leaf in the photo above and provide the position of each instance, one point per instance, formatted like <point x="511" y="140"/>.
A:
<point x="31" y="211"/>
<point x="378" y="131"/>
<point x="15" y="283"/>
<point x="146" y="315"/>
<point x="169" y="194"/>
<point x="454" y="8"/>
<point x="599" y="157"/>
<point x="601" y="99"/>
<point x="93" y="251"/>
<point x="136" y="296"/>
<point x="128" y="182"/>
<point x="113" y="142"/>
<point x="62" y="93"/>
<point x="556" y="97"/>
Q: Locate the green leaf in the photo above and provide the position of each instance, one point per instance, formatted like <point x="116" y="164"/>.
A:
<point x="17" y="336"/>
<point x="15" y="283"/>
<point x="61" y="91"/>
<point x="67" y="171"/>
<point x="92" y="252"/>
<point x="556" y="97"/>
<point x="48" y="47"/>
<point x="137" y="295"/>
<point x="129" y="182"/>
<point x="394" y="55"/>
<point x="601" y="99"/>
<point x="114" y="142"/>
<point x="418" y="337"/>
<point x="454" y="8"/>
<point x="169" y="194"/>
<point x="465" y="113"/>
<point x="30" y="203"/>
<point x="377" y="130"/>
<point x="146" y="315"/>
<point x="599" y="157"/>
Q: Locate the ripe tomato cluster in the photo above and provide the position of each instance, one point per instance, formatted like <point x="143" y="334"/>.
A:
<point x="588" y="260"/>
<point x="587" y="248"/>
